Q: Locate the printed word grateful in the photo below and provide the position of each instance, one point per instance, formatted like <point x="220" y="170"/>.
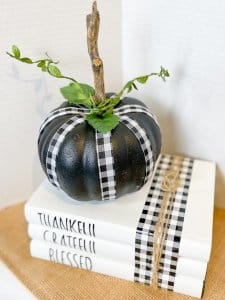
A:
<point x="66" y="240"/>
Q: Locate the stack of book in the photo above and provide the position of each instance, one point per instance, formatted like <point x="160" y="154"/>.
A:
<point x="117" y="238"/>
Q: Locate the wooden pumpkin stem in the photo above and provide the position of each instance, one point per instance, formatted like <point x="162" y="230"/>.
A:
<point x="93" y="21"/>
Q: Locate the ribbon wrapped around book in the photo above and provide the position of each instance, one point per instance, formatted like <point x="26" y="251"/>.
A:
<point x="153" y="236"/>
<point x="160" y="225"/>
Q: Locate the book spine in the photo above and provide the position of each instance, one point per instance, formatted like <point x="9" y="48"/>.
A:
<point x="79" y="225"/>
<point x="112" y="250"/>
<point x="78" y="242"/>
<point x="102" y="230"/>
<point x="91" y="262"/>
<point x="87" y="261"/>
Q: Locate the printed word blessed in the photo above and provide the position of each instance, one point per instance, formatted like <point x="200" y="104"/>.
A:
<point x="71" y="259"/>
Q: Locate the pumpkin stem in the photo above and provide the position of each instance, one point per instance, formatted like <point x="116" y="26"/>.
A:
<point x="93" y="21"/>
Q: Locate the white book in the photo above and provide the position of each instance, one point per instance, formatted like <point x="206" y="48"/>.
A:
<point x="58" y="254"/>
<point x="117" y="220"/>
<point x="114" y="251"/>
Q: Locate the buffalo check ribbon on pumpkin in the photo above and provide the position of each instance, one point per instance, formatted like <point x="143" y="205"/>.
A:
<point x="159" y="229"/>
<point x="103" y="144"/>
<point x="54" y="146"/>
<point x="105" y="165"/>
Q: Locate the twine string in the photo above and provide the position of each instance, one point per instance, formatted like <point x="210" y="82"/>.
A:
<point x="169" y="185"/>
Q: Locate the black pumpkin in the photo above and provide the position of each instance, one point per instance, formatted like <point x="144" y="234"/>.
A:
<point x="76" y="163"/>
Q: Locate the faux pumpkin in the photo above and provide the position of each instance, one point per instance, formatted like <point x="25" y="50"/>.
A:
<point x="77" y="164"/>
<point x="97" y="146"/>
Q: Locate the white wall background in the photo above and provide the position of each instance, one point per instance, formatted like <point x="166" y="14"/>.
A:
<point x="187" y="37"/>
<point x="58" y="27"/>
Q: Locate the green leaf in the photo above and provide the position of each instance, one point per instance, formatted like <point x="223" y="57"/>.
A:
<point x="16" y="51"/>
<point x="78" y="93"/>
<point x="54" y="71"/>
<point x="42" y="65"/>
<point x="142" y="79"/>
<point x="128" y="86"/>
<point x="134" y="85"/>
<point x="87" y="90"/>
<point x="104" y="123"/>
<point x="44" y="68"/>
<point x="26" y="60"/>
<point x="164" y="73"/>
<point x="129" y="89"/>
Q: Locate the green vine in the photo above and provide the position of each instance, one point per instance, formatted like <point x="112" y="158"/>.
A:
<point x="101" y="115"/>
<point x="45" y="64"/>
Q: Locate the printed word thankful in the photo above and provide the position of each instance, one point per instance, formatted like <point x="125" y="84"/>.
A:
<point x="68" y="224"/>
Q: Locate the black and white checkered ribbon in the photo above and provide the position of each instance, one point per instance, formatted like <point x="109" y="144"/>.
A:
<point x="55" y="144"/>
<point x="106" y="165"/>
<point x="146" y="226"/>
<point x="62" y="112"/>
<point x="134" y="108"/>
<point x="103" y="144"/>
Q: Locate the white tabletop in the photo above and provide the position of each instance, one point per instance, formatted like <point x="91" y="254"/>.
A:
<point x="10" y="287"/>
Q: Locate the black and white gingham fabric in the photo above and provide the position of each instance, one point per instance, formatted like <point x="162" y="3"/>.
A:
<point x="134" y="108"/>
<point x="62" y="112"/>
<point x="146" y="226"/>
<point x="106" y="165"/>
<point x="144" y="141"/>
<point x="55" y="144"/>
<point x="103" y="144"/>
